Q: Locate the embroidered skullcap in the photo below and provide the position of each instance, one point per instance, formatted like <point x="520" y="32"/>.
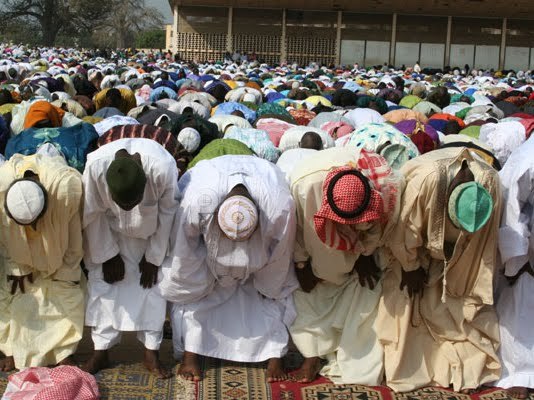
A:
<point x="190" y="139"/>
<point x="395" y="154"/>
<point x="238" y="218"/>
<point x="25" y="201"/>
<point x="470" y="206"/>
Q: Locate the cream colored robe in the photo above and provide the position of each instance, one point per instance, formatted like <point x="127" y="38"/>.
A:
<point x="44" y="325"/>
<point x="449" y="335"/>
<point x="336" y="319"/>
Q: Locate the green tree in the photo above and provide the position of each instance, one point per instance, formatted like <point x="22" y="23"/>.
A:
<point x="152" y="39"/>
<point x="119" y="19"/>
<point x="128" y="18"/>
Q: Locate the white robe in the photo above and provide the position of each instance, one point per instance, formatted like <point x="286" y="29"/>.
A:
<point x="516" y="244"/>
<point x="144" y="230"/>
<point x="232" y="300"/>
<point x="289" y="158"/>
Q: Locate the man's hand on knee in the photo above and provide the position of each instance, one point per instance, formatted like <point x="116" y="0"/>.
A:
<point x="113" y="269"/>
<point x="149" y="274"/>
<point x="18" y="281"/>
<point x="305" y="276"/>
<point x="367" y="270"/>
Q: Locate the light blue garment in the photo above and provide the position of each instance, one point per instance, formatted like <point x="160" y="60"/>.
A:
<point x="257" y="140"/>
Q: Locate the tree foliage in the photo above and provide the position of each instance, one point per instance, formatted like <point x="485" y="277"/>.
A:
<point x="81" y="19"/>
<point x="151" y="39"/>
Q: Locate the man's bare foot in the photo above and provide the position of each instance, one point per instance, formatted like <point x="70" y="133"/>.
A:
<point x="67" y="361"/>
<point x="189" y="367"/>
<point x="7" y="364"/>
<point x="99" y="360"/>
<point x="151" y="362"/>
<point x="517" y="392"/>
<point x="308" y="370"/>
<point x="275" y="370"/>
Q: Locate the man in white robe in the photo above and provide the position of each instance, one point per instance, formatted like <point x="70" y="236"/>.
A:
<point x="231" y="278"/>
<point x="131" y="194"/>
<point x="442" y="329"/>
<point x="347" y="200"/>
<point x="515" y="299"/>
<point x="309" y="144"/>
<point x="41" y="296"/>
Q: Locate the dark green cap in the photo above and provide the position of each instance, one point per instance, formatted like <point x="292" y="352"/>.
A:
<point x="126" y="180"/>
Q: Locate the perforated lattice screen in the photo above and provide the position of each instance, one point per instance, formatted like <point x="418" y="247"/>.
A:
<point x="302" y="50"/>
<point x="201" y="46"/>
<point x="267" y="48"/>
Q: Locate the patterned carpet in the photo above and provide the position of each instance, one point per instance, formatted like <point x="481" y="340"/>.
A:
<point x="224" y="380"/>
<point x="133" y="382"/>
<point x="239" y="381"/>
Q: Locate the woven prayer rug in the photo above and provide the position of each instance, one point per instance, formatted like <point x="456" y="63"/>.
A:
<point x="134" y="382"/>
<point x="226" y="380"/>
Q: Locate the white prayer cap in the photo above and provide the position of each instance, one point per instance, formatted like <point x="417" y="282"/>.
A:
<point x="238" y="218"/>
<point x="189" y="138"/>
<point x="25" y="201"/>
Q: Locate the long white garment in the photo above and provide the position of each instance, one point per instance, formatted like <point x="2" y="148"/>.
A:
<point x="144" y="230"/>
<point x="336" y="320"/>
<point x="232" y="300"/>
<point x="516" y="244"/>
<point x="289" y="158"/>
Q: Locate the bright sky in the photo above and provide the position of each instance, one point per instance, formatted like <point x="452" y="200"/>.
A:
<point x="163" y="7"/>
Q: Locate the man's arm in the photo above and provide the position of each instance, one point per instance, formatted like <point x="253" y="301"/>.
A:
<point x="158" y="243"/>
<point x="71" y="270"/>
<point x="277" y="278"/>
<point x="100" y="244"/>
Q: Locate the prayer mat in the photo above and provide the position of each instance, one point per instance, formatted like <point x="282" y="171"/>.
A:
<point x="321" y="389"/>
<point x="134" y="382"/>
<point x="227" y="380"/>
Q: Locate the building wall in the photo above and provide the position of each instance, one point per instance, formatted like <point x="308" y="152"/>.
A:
<point x="302" y="36"/>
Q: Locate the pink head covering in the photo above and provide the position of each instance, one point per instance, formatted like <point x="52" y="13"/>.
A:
<point x="60" y="383"/>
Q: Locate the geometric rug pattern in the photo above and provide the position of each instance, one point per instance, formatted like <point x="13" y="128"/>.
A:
<point x="226" y="380"/>
<point x="134" y="382"/>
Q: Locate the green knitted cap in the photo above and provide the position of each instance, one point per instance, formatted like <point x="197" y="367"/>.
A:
<point x="126" y="180"/>
<point x="470" y="206"/>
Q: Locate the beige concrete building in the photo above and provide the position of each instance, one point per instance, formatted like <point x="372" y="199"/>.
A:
<point x="481" y="33"/>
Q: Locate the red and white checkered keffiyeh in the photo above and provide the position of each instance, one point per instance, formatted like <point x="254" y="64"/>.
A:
<point x="60" y="383"/>
<point x="348" y="193"/>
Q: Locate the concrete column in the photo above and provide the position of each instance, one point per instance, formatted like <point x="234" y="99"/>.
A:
<point x="502" y="51"/>
<point x="338" y="37"/>
<point x="283" y="42"/>
<point x="447" y="60"/>
<point x="174" y="38"/>
<point x="393" y="43"/>
<point x="229" y="31"/>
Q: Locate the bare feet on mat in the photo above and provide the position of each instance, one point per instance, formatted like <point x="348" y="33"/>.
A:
<point x="308" y="370"/>
<point x="7" y="364"/>
<point x="275" y="370"/>
<point x="190" y="368"/>
<point x="517" y="392"/>
<point x="151" y="362"/>
<point x="99" y="360"/>
<point x="67" y="361"/>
